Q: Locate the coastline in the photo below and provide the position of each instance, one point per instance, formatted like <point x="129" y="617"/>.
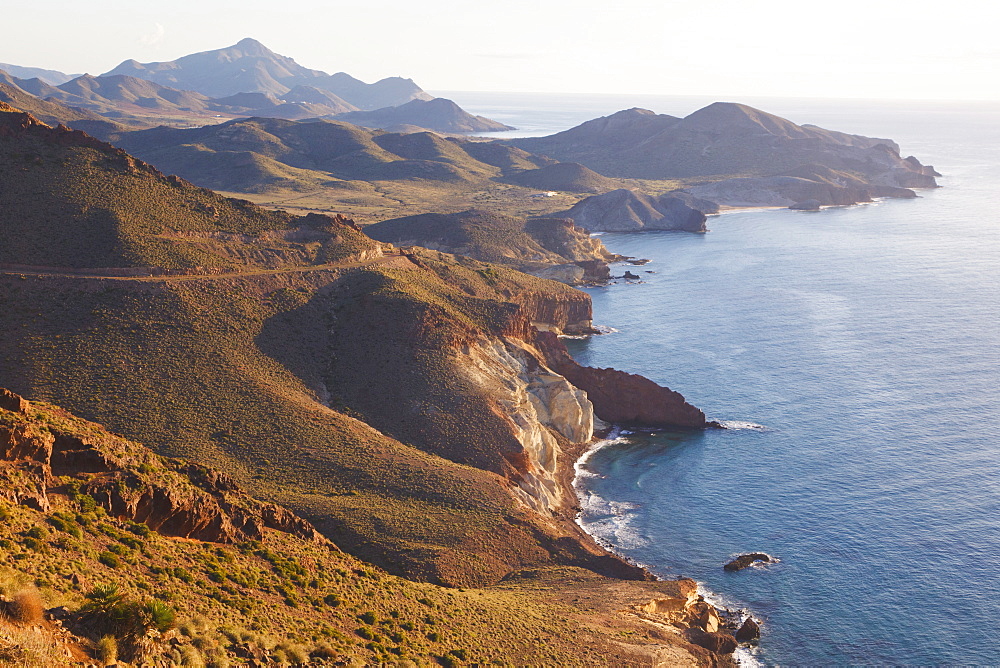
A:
<point x="745" y="654"/>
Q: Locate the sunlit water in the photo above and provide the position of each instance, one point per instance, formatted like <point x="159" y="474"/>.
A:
<point x="864" y="343"/>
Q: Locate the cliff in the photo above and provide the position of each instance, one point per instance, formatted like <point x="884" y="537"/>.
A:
<point x="621" y="397"/>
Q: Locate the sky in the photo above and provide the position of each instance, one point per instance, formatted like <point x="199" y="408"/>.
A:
<point x="912" y="49"/>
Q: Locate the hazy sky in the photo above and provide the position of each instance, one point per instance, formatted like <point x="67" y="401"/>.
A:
<point x="940" y="49"/>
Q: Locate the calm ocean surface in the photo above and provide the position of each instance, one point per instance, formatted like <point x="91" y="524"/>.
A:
<point x="865" y="341"/>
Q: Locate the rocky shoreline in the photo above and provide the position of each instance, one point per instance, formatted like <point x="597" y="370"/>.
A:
<point x="720" y="630"/>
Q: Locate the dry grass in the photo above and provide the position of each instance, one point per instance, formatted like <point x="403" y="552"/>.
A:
<point x="27" y="607"/>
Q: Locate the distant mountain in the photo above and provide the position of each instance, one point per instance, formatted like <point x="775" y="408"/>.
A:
<point x="53" y="112"/>
<point x="53" y="77"/>
<point x="260" y="154"/>
<point x="438" y="114"/>
<point x="110" y="94"/>
<point x="313" y="95"/>
<point x="48" y="111"/>
<point x="250" y="67"/>
<point x="723" y="139"/>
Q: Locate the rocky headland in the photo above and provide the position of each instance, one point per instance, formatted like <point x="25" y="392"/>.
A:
<point x="624" y="210"/>
<point x="742" y="156"/>
<point x="552" y="248"/>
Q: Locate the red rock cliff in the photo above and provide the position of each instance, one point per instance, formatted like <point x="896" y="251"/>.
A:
<point x="622" y="397"/>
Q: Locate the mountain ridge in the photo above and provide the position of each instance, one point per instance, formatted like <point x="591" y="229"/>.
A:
<point x="250" y="67"/>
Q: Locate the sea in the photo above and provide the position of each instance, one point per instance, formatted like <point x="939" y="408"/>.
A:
<point x="854" y="354"/>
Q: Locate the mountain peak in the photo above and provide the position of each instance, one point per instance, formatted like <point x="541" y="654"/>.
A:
<point x="729" y="116"/>
<point x="252" y="47"/>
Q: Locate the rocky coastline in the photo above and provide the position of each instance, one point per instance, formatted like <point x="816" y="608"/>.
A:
<point x="619" y="398"/>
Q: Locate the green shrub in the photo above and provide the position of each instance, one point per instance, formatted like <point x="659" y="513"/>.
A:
<point x="33" y="544"/>
<point x="107" y="650"/>
<point x="109" y="559"/>
<point x="160" y="615"/>
<point x="37" y="532"/>
<point x="140" y="529"/>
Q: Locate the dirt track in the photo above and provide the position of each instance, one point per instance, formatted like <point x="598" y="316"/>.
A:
<point x="401" y="261"/>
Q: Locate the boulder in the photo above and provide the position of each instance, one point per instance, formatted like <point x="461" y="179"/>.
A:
<point x="748" y="632"/>
<point x="806" y="205"/>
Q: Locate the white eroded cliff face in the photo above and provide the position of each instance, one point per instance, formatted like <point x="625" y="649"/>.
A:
<point x="542" y="409"/>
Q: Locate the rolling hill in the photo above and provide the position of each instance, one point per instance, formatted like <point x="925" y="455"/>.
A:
<point x="208" y="326"/>
<point x="255" y="155"/>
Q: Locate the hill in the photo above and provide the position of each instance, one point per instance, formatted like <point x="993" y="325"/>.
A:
<point x="53" y="113"/>
<point x="255" y="155"/>
<point x="438" y="114"/>
<point x="566" y="176"/>
<point x="725" y="140"/>
<point x="250" y="67"/>
<point x="299" y="357"/>
<point x="109" y="551"/>
<point x="115" y="93"/>
<point x="624" y="210"/>
<point x="73" y="201"/>
<point x="547" y="247"/>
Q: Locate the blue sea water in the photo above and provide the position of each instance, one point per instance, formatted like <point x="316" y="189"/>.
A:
<point x="865" y="343"/>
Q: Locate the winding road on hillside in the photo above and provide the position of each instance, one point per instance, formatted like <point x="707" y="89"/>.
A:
<point x="400" y="260"/>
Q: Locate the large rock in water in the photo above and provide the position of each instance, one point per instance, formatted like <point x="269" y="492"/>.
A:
<point x="748" y="632"/>
<point x="747" y="560"/>
<point x="625" y="210"/>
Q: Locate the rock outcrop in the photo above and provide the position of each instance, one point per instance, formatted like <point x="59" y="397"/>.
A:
<point x="622" y="397"/>
<point x="41" y="448"/>
<point x="626" y="210"/>
<point x="748" y="631"/>
<point x="720" y="643"/>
